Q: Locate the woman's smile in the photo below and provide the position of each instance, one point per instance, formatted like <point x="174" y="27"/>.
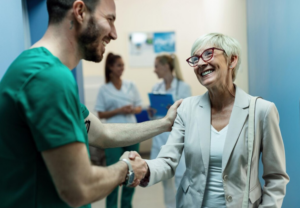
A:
<point x="207" y="72"/>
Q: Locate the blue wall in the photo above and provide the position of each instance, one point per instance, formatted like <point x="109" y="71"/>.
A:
<point x="274" y="73"/>
<point x="12" y="33"/>
<point x="38" y="20"/>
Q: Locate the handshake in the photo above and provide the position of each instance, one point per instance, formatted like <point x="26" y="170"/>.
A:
<point x="139" y="167"/>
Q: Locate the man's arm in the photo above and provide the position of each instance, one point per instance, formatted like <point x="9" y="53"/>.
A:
<point x="128" y="109"/>
<point x="119" y="135"/>
<point x="77" y="181"/>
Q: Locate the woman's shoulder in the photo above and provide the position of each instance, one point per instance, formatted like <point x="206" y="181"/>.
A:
<point x="245" y="99"/>
<point x="193" y="100"/>
<point x="128" y="83"/>
<point x="157" y="85"/>
<point x="105" y="87"/>
<point x="184" y="84"/>
<point x="264" y="104"/>
<point x="265" y="107"/>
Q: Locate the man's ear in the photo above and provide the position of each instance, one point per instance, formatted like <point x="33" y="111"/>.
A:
<point x="80" y="11"/>
<point x="233" y="62"/>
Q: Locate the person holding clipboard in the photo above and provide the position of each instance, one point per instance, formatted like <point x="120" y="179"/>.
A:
<point x="165" y="66"/>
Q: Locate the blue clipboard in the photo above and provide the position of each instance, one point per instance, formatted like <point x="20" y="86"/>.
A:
<point x="142" y="117"/>
<point x="161" y="103"/>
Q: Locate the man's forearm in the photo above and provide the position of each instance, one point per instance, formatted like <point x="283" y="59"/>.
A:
<point x="76" y="180"/>
<point x="104" y="181"/>
<point x="120" y="135"/>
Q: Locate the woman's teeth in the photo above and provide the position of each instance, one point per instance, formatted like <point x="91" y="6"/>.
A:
<point x="104" y="43"/>
<point x="206" y="72"/>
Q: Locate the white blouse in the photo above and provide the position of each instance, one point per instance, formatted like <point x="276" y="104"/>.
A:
<point x="214" y="191"/>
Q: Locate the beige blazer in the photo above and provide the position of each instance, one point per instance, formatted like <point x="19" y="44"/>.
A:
<point x="191" y="132"/>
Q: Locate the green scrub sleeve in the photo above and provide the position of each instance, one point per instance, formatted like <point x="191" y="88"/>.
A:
<point x="84" y="111"/>
<point x="50" y="103"/>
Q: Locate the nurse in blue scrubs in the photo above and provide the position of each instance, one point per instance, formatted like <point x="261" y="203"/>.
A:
<point x="167" y="68"/>
<point x="118" y="101"/>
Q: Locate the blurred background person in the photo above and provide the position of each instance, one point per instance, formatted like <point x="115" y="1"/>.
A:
<point x="165" y="66"/>
<point x="118" y="101"/>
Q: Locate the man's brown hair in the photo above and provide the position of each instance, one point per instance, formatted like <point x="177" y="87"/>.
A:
<point x="57" y="9"/>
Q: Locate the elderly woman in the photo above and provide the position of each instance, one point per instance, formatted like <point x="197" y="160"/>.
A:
<point x="212" y="129"/>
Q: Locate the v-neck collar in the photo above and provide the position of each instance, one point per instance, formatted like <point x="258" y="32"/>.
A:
<point x="114" y="87"/>
<point x="221" y="131"/>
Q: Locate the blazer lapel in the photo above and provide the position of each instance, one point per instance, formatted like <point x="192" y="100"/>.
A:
<point x="204" y="127"/>
<point x="237" y="120"/>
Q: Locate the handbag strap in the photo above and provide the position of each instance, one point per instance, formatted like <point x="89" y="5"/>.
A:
<point x="251" y="123"/>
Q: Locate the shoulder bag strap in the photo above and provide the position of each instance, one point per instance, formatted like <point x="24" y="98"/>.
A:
<point x="251" y="123"/>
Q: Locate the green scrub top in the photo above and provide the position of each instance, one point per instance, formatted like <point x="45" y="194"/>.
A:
<point x="39" y="110"/>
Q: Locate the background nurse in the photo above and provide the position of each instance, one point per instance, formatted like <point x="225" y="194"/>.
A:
<point x="117" y="102"/>
<point x="165" y="66"/>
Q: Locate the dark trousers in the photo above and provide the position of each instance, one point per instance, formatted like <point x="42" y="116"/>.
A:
<point x="112" y="156"/>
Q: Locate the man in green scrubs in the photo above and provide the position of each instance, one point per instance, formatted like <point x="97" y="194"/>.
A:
<point x="43" y="137"/>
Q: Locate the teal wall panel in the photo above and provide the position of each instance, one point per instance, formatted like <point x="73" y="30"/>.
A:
<point x="274" y="74"/>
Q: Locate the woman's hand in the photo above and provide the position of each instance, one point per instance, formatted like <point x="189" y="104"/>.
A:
<point x="133" y="155"/>
<point x="127" y="109"/>
<point x="139" y="166"/>
<point x="151" y="112"/>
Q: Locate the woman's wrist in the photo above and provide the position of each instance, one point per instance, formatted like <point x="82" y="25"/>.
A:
<point x="117" y="111"/>
<point x="145" y="181"/>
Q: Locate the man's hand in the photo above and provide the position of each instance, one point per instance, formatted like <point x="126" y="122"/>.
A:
<point x="139" y="167"/>
<point x="172" y="113"/>
<point x="120" y="135"/>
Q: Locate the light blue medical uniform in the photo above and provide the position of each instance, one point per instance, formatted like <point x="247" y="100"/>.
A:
<point x="179" y="90"/>
<point x="109" y="98"/>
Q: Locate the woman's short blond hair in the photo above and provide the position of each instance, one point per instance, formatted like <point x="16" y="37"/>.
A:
<point x="230" y="45"/>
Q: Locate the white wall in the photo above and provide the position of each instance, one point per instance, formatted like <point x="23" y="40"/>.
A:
<point x="189" y="19"/>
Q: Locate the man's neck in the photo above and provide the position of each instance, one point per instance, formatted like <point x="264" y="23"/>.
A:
<point x="61" y="42"/>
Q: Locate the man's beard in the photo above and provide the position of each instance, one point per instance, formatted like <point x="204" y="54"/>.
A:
<point x="89" y="43"/>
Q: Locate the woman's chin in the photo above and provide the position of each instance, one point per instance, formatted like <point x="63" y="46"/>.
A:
<point x="207" y="82"/>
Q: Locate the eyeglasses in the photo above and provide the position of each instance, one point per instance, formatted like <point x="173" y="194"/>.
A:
<point x="206" y="56"/>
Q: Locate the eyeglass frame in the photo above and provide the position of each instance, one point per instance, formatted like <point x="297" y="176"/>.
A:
<point x="200" y="57"/>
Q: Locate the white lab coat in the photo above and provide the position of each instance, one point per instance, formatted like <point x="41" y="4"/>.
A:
<point x="109" y="98"/>
<point x="179" y="90"/>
